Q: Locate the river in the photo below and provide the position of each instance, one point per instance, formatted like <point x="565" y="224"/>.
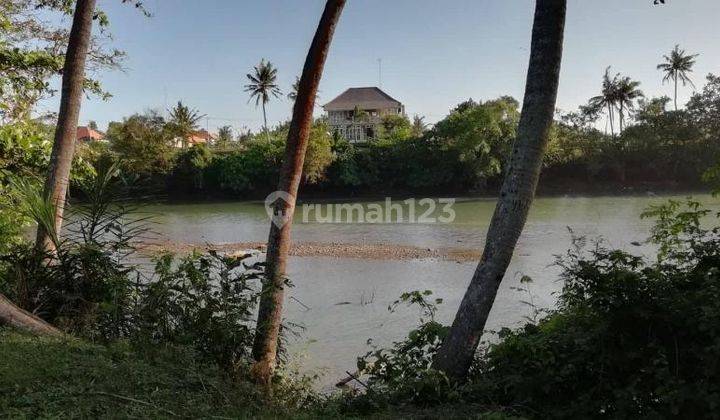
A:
<point x="342" y="302"/>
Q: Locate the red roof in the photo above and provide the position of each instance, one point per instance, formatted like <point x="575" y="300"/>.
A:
<point x="87" y="133"/>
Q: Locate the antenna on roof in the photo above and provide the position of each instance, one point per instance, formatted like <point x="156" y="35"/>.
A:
<point x="165" y="99"/>
<point x="380" y="73"/>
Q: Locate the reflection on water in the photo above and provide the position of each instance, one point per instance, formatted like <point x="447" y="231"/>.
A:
<point x="348" y="298"/>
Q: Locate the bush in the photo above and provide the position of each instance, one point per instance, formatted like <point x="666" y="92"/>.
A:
<point x="189" y="168"/>
<point x="204" y="302"/>
<point x="88" y="288"/>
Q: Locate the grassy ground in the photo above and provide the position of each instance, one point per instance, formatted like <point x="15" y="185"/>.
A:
<point x="68" y="378"/>
<point x="50" y="378"/>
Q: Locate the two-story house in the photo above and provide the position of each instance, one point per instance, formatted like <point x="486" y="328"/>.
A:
<point x="356" y="114"/>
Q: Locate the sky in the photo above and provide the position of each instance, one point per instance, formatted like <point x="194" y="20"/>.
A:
<point x="434" y="54"/>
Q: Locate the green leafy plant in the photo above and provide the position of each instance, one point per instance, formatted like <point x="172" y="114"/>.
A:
<point x="202" y="301"/>
<point x="403" y="372"/>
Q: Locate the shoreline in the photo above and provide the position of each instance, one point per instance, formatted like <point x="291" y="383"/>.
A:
<point x="329" y="197"/>
<point x="386" y="252"/>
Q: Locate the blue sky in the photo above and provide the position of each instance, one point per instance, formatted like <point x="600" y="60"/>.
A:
<point x="434" y="53"/>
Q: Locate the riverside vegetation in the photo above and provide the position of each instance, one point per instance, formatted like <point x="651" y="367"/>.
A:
<point x="658" y="148"/>
<point x="177" y="341"/>
<point x="630" y="336"/>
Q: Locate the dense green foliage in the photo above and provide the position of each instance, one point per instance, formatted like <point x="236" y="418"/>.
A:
<point x="464" y="152"/>
<point x="89" y="287"/>
<point x="143" y="145"/>
<point x="25" y="154"/>
<point x="33" y="40"/>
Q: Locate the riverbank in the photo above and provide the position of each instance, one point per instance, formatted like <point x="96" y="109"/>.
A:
<point x="386" y="252"/>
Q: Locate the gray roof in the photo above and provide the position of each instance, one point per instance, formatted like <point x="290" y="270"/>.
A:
<point x="363" y="98"/>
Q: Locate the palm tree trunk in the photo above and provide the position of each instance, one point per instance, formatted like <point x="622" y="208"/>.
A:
<point x="458" y="349"/>
<point x="611" y="117"/>
<point x="271" y="301"/>
<point x="264" y="117"/>
<point x="622" y="118"/>
<point x="676" y="108"/>
<point x="63" y="149"/>
<point x="267" y="133"/>
<point x="15" y="317"/>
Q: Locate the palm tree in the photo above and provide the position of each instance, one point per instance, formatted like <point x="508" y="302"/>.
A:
<point x="262" y="86"/>
<point x="225" y="136"/>
<point x="607" y="98"/>
<point x="184" y="121"/>
<point x="271" y="299"/>
<point x="677" y="66"/>
<point x="63" y="150"/>
<point x="419" y="126"/>
<point x="626" y="93"/>
<point x="294" y="90"/>
<point x="523" y="170"/>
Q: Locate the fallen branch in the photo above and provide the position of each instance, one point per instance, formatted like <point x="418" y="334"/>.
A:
<point x="129" y="399"/>
<point x="349" y="378"/>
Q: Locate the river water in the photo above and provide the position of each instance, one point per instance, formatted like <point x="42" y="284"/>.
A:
<point x="342" y="302"/>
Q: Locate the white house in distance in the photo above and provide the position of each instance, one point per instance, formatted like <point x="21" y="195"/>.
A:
<point x="357" y="113"/>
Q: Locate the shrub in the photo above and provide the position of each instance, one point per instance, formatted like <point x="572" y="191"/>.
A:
<point x="205" y="302"/>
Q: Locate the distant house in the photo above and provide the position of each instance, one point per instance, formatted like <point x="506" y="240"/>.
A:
<point x="197" y="137"/>
<point x="357" y="113"/>
<point x="88" y="135"/>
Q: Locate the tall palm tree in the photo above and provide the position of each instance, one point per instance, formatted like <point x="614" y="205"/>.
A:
<point x="184" y="121"/>
<point x="626" y="93"/>
<point x="677" y="66"/>
<point x="607" y="98"/>
<point x="262" y="86"/>
<point x="70" y="98"/>
<point x="63" y="150"/>
<point x="523" y="170"/>
<point x="272" y="296"/>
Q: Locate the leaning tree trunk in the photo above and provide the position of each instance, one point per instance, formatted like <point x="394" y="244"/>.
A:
<point x="63" y="149"/>
<point x="15" y="317"/>
<point x="458" y="349"/>
<point x="271" y="301"/>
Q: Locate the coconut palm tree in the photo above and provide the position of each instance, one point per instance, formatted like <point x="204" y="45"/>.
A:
<point x="272" y="296"/>
<point x="61" y="157"/>
<point x="677" y="66"/>
<point x="262" y="86"/>
<point x="419" y="126"/>
<point x="457" y="351"/>
<point x="184" y="121"/>
<point x="294" y="90"/>
<point x="626" y="93"/>
<point x="225" y="136"/>
<point x="607" y="98"/>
